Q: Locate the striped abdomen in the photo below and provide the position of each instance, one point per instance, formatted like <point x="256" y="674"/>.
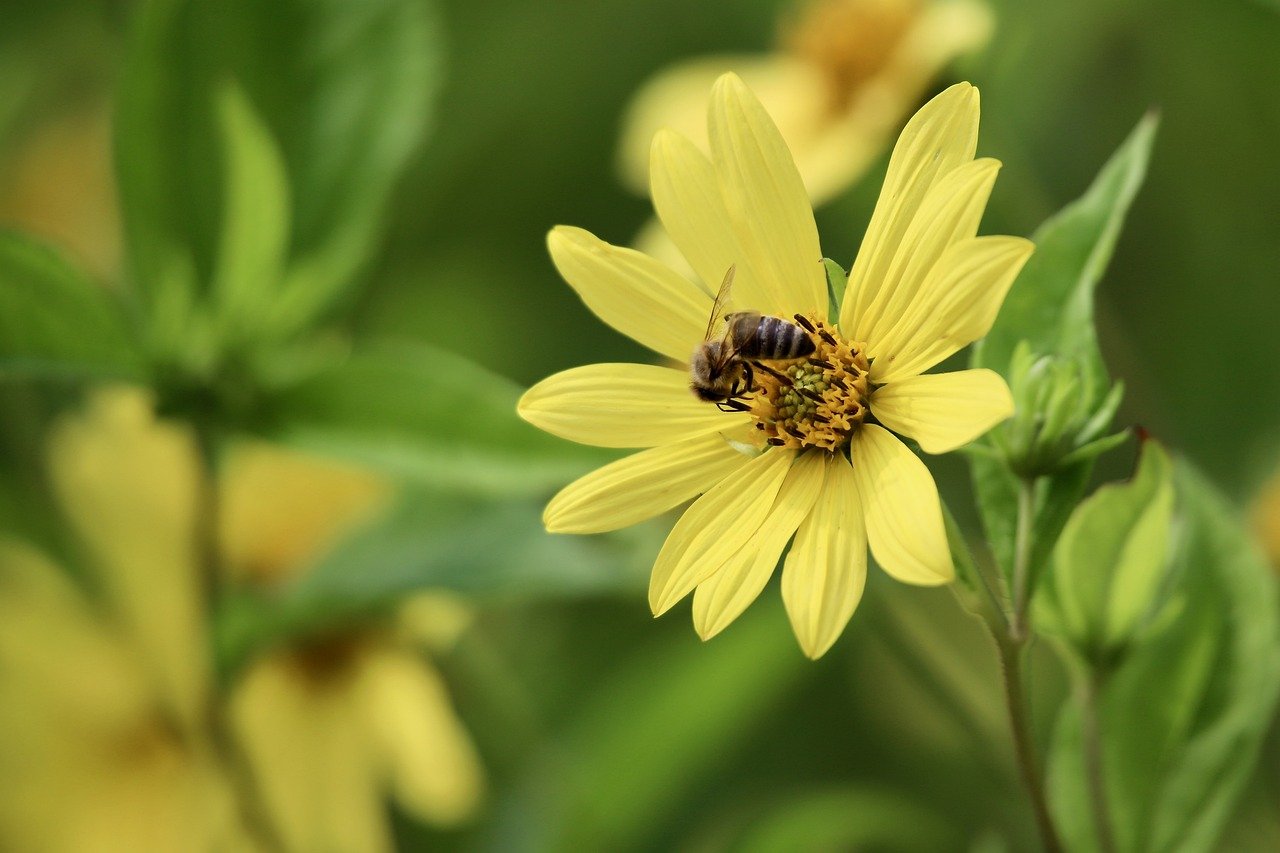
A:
<point x="755" y="336"/>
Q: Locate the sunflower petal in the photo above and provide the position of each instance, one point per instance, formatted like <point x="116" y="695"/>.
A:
<point x="940" y="137"/>
<point x="949" y="213"/>
<point x="686" y="196"/>
<point x="426" y="752"/>
<point x="957" y="305"/>
<point x="766" y="200"/>
<point x="903" y="512"/>
<point x="722" y="597"/>
<point x="716" y="527"/>
<point x="642" y="485"/>
<point x="640" y="297"/>
<point x="826" y="569"/>
<point x="622" y="405"/>
<point x="943" y="411"/>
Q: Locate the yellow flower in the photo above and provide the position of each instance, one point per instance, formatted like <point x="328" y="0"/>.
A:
<point x="332" y="722"/>
<point x="923" y="286"/>
<point x="103" y="742"/>
<point x="843" y="76"/>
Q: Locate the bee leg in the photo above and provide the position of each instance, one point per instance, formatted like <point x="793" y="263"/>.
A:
<point x="732" y="405"/>
<point x="748" y="378"/>
<point x="778" y="375"/>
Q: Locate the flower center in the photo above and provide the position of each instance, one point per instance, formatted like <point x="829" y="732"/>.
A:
<point x="817" y="401"/>
<point x="849" y="40"/>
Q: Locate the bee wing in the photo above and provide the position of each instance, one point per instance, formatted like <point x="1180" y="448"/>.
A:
<point x="722" y="296"/>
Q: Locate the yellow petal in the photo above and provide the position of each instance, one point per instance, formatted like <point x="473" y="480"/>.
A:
<point x="957" y="305"/>
<point x="129" y="485"/>
<point x="686" y="196"/>
<point x="642" y="485"/>
<point x="903" y="512"/>
<point x="949" y="213"/>
<point x="309" y="750"/>
<point x="633" y="293"/>
<point x="433" y="768"/>
<point x="715" y="527"/>
<point x="676" y="98"/>
<point x="943" y="411"/>
<point x="722" y="597"/>
<point x="766" y="199"/>
<point x="622" y="405"/>
<point x="940" y="137"/>
<point x="282" y="509"/>
<point x="826" y="568"/>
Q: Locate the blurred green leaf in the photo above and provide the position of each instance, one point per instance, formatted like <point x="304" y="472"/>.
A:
<point x="1183" y="717"/>
<point x="1051" y="303"/>
<point x="255" y="224"/>
<point x="433" y="541"/>
<point x="166" y="149"/>
<point x="345" y="90"/>
<point x="662" y="721"/>
<point x="850" y="818"/>
<point x="428" y="415"/>
<point x="1111" y="559"/>
<point x="55" y="322"/>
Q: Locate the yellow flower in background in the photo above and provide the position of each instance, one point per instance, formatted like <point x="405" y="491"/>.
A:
<point x="843" y="76"/>
<point x="332" y="723"/>
<point x="103" y="702"/>
<point x="1265" y="515"/>
<point x="821" y="464"/>
<point x="105" y="706"/>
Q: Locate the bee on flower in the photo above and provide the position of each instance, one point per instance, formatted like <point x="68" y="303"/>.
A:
<point x="805" y="452"/>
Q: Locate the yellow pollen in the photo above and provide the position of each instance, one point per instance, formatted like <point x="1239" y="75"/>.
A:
<point x="849" y="40"/>
<point x="817" y="401"/>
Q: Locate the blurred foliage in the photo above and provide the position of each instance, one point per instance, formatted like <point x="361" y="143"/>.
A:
<point x="282" y="144"/>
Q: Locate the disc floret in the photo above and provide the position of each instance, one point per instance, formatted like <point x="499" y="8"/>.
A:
<point x="818" y="401"/>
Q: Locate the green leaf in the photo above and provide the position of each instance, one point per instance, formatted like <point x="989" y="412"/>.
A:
<point x="434" y="541"/>
<point x="345" y="90"/>
<point x="1111" y="560"/>
<point x="850" y="818"/>
<point x="1183" y="717"/>
<point x="425" y="414"/>
<point x="665" y="734"/>
<point x="255" y="222"/>
<point x="1051" y="303"/>
<point x="1051" y="308"/>
<point x="55" y="322"/>
<point x="166" y="150"/>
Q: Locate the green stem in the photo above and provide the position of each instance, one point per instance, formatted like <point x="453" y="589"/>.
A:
<point x="1091" y="733"/>
<point x="1023" y="743"/>
<point x="213" y="577"/>
<point x="1022" y="543"/>
<point x="1011" y="646"/>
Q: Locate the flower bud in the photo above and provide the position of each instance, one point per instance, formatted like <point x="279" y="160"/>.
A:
<point x="1110" y="562"/>
<point x="1060" y="413"/>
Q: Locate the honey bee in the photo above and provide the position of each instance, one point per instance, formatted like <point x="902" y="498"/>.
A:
<point x="722" y="368"/>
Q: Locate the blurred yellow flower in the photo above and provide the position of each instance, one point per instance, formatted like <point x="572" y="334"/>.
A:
<point x="844" y="75"/>
<point x="922" y="287"/>
<point x="106" y="711"/>
<point x="103" y="703"/>
<point x="331" y="723"/>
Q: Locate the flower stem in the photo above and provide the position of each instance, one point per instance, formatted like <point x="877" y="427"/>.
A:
<point x="1021" y="592"/>
<point x="1011" y="646"/>
<point x="1095" y="776"/>
<point x="1023" y="742"/>
<point x="213" y="579"/>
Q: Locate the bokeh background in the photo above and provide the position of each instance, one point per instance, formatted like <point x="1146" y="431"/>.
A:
<point x="596" y="726"/>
